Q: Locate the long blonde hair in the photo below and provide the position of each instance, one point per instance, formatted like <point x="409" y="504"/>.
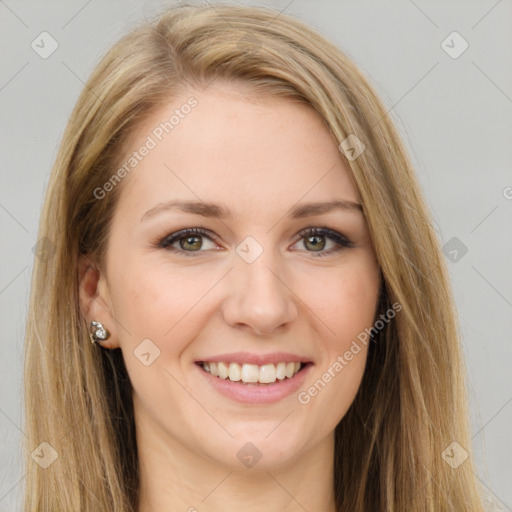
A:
<point x="412" y="403"/>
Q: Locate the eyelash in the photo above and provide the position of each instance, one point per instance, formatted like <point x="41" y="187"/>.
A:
<point x="341" y="240"/>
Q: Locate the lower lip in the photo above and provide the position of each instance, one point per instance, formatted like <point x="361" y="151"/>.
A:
<point x="256" y="393"/>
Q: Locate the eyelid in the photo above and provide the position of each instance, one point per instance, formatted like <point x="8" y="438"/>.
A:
<point x="327" y="232"/>
<point x="168" y="240"/>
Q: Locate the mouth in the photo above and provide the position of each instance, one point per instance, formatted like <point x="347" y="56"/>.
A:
<point x="253" y="374"/>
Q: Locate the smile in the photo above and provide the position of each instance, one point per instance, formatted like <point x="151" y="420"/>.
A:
<point x="252" y="373"/>
<point x="255" y="379"/>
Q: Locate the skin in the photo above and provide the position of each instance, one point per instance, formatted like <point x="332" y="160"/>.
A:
<point x="260" y="159"/>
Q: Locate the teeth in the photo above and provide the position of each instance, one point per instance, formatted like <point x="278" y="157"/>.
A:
<point x="281" y="371"/>
<point x="214" y="370"/>
<point x="252" y="373"/>
<point x="235" y="372"/>
<point x="223" y="370"/>
<point x="267" y="373"/>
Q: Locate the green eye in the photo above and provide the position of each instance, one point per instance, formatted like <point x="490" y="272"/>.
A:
<point x="191" y="240"/>
<point x="316" y="238"/>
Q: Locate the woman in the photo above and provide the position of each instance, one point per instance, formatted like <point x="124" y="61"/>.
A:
<point x="236" y="227"/>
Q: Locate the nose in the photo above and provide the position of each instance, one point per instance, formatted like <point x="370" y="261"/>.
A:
<point x="259" y="297"/>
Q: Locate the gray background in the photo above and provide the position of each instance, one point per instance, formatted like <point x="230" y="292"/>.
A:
<point x="455" y="116"/>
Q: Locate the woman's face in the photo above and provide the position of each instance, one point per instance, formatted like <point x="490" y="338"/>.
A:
<point x="251" y="287"/>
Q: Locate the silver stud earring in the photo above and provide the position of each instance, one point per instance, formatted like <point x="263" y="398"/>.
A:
<point x="98" y="333"/>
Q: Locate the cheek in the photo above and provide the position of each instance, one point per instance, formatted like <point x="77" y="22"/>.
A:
<point x="157" y="302"/>
<point x="163" y="305"/>
<point x="348" y="305"/>
<point x="328" y="397"/>
<point x="343" y="300"/>
<point x="344" y="306"/>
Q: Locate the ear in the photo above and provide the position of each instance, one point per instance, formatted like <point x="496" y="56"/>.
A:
<point x="95" y="300"/>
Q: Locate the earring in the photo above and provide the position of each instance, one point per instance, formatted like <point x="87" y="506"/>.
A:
<point x="98" y="333"/>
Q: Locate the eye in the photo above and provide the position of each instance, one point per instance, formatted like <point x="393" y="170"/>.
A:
<point x="315" y="238"/>
<point x="190" y="240"/>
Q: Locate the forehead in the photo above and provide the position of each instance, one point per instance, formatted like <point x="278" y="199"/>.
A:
<point x="254" y="154"/>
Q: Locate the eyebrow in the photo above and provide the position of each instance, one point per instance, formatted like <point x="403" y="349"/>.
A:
<point x="221" y="212"/>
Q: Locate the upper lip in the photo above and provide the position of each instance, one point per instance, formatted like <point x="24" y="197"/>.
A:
<point x="258" y="359"/>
